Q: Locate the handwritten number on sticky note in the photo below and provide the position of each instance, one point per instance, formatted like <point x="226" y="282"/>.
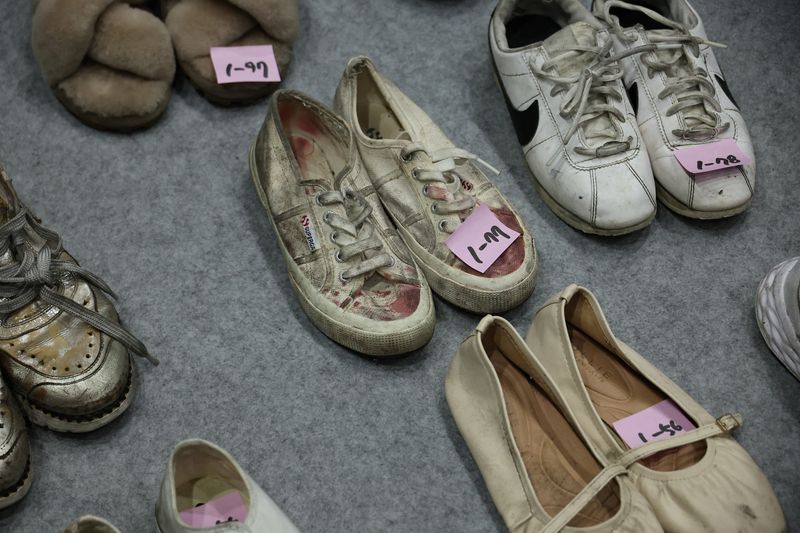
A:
<point x="671" y="429"/>
<point x="252" y="67"/>
<point x="724" y="161"/>
<point x="491" y="236"/>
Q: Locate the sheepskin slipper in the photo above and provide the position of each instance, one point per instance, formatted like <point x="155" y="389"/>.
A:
<point x="110" y="63"/>
<point x="198" y="25"/>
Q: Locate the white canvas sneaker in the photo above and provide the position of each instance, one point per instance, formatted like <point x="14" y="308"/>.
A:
<point x="681" y="100"/>
<point x="562" y="85"/>
<point x="429" y="187"/>
<point x="199" y="473"/>
<point x="778" y="313"/>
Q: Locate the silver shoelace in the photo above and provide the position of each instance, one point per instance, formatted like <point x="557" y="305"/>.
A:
<point x="589" y="95"/>
<point x="36" y="276"/>
<point x="693" y="90"/>
<point x="354" y="235"/>
<point x="440" y="168"/>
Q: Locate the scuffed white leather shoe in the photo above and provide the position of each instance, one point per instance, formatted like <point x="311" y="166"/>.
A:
<point x="681" y="100"/>
<point x="562" y="85"/>
<point x="429" y="187"/>
<point x="778" y="313"/>
<point x="200" y="472"/>
<point x="702" y="479"/>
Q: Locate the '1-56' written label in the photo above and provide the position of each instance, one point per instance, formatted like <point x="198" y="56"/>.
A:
<point x="711" y="156"/>
<point x="236" y="64"/>
<point x="481" y="239"/>
<point x="658" y="422"/>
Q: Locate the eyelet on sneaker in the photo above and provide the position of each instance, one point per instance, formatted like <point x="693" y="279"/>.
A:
<point x="342" y="278"/>
<point x="415" y="173"/>
<point x="338" y="257"/>
<point x="425" y="190"/>
<point x="316" y="199"/>
<point x="433" y="208"/>
<point x="406" y="157"/>
<point x="450" y="178"/>
<point x="394" y="262"/>
<point x="442" y="224"/>
<point x="333" y="238"/>
<point x="326" y="217"/>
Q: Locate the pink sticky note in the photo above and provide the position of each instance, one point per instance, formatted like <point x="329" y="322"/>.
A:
<point x="711" y="156"/>
<point x="227" y="508"/>
<point x="661" y="421"/>
<point x="481" y="239"/>
<point x="236" y="64"/>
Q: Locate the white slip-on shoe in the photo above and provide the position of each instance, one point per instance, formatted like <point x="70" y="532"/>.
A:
<point x="200" y="473"/>
<point x="681" y="100"/>
<point x="778" y="313"/>
<point x="702" y="479"/>
<point x="429" y="187"/>
<point x="351" y="272"/>
<point x="562" y="85"/>
<point x="540" y="471"/>
<point x="91" y="524"/>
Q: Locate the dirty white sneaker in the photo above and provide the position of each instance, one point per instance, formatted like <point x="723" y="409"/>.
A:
<point x="201" y="475"/>
<point x="562" y="85"/>
<point x="778" y="313"/>
<point x="429" y="187"/>
<point x="682" y="100"/>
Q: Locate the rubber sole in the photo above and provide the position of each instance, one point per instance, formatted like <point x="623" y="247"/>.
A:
<point x="81" y="423"/>
<point x="675" y="205"/>
<point x="371" y="343"/>
<point x="15" y="493"/>
<point x="780" y="335"/>
<point x="581" y="225"/>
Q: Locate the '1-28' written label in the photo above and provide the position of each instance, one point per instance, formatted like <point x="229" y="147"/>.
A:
<point x="711" y="156"/>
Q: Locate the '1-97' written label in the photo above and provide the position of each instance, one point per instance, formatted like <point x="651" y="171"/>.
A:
<point x="710" y="157"/>
<point x="237" y="64"/>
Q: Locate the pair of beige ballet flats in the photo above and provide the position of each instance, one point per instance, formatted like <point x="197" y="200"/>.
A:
<point x="539" y="416"/>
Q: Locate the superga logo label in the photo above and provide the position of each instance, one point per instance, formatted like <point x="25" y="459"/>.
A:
<point x="308" y="232"/>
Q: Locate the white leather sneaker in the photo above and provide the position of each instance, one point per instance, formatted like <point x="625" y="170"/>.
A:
<point x="562" y="85"/>
<point x="200" y="473"/>
<point x="681" y="100"/>
<point x="778" y="313"/>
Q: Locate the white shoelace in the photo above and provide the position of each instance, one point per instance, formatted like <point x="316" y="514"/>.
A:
<point x="441" y="169"/>
<point x="673" y="51"/>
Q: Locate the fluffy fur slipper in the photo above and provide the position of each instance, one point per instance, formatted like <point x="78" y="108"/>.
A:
<point x="198" y="25"/>
<point x="109" y="63"/>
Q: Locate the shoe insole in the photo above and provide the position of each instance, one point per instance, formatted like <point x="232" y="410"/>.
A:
<point x="618" y="392"/>
<point x="201" y="490"/>
<point x="524" y="30"/>
<point x="629" y="18"/>
<point x="375" y="115"/>
<point x="558" y="463"/>
<point x="318" y="152"/>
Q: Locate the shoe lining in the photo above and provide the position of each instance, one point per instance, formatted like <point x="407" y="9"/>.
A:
<point x="318" y="151"/>
<point x="557" y="461"/>
<point x="628" y="18"/>
<point x="617" y="391"/>
<point x="375" y="116"/>
<point x="201" y="475"/>
<point x="528" y="29"/>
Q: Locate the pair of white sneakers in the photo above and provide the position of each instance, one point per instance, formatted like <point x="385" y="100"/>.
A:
<point x="603" y="100"/>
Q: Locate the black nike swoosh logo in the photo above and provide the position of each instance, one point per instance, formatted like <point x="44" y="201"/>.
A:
<point x="633" y="96"/>
<point x="525" y="122"/>
<point x="724" y="85"/>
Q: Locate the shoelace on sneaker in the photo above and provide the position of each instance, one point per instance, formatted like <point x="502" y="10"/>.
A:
<point x="672" y="52"/>
<point x="440" y="168"/>
<point x="585" y="94"/>
<point x="354" y="235"/>
<point x="32" y="276"/>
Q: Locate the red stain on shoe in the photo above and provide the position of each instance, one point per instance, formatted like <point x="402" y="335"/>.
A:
<point x="406" y="302"/>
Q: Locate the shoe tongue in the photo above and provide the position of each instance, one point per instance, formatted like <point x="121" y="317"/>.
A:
<point x="599" y="130"/>
<point x="578" y="34"/>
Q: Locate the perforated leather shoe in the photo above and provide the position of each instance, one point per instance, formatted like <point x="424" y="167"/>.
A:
<point x="352" y="274"/>
<point x="562" y="85"/>
<point x="15" y="479"/>
<point x="682" y="100"/>
<point x="429" y="187"/>
<point x="62" y="349"/>
<point x="701" y="479"/>
<point x="541" y="471"/>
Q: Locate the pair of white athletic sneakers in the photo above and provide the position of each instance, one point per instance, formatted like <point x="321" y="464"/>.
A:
<point x="602" y="102"/>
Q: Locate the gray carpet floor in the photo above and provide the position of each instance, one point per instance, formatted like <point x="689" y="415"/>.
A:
<point x="170" y="219"/>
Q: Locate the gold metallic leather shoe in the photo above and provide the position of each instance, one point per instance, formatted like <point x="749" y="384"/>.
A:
<point x="62" y="349"/>
<point x="702" y="480"/>
<point x="15" y="466"/>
